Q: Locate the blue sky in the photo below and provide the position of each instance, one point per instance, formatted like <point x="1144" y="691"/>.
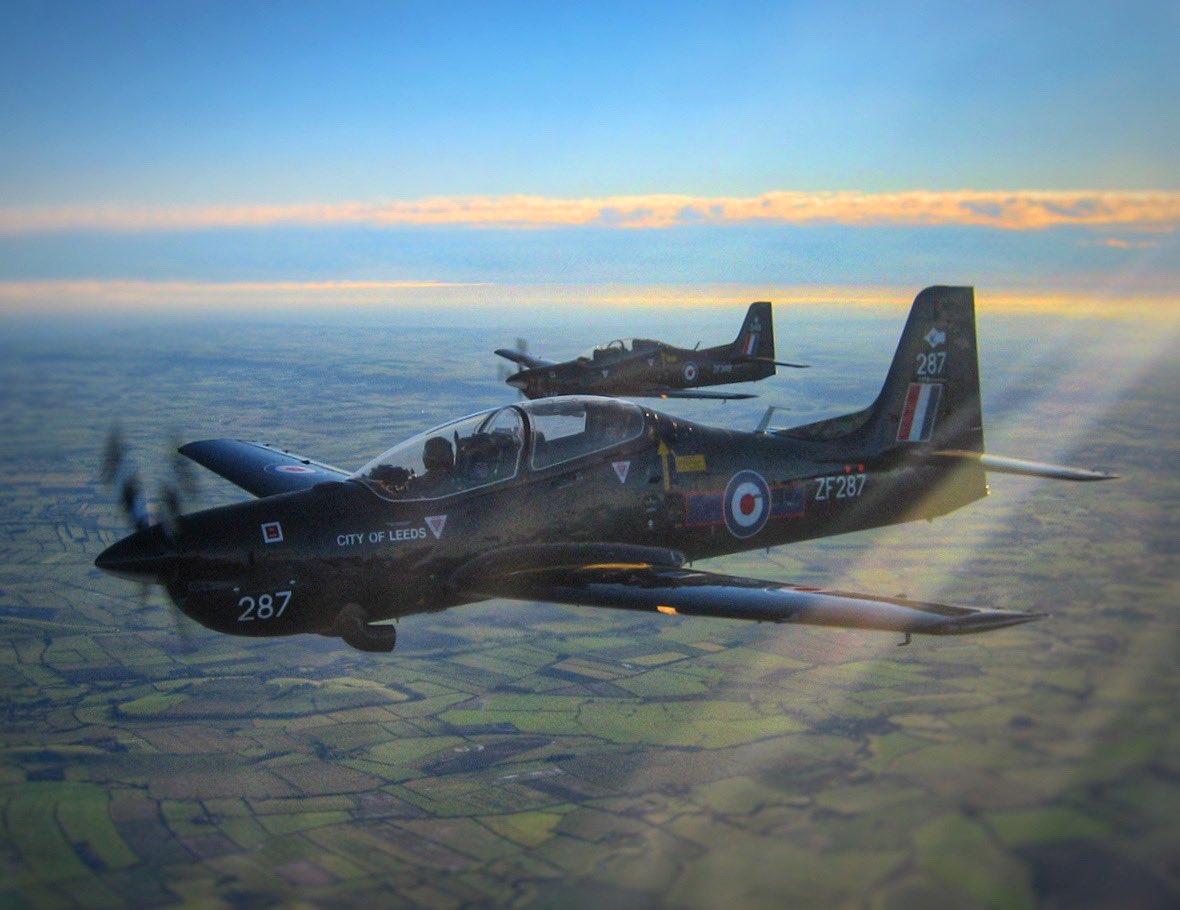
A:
<point x="114" y="110"/>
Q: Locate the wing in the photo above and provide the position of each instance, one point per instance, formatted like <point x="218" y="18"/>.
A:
<point x="641" y="578"/>
<point x="525" y="360"/>
<point x="694" y="393"/>
<point x="260" y="469"/>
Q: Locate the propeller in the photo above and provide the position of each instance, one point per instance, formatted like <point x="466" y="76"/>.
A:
<point x="180" y="485"/>
<point x="503" y="371"/>
<point x="120" y="472"/>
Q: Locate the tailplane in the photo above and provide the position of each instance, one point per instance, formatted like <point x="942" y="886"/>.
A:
<point x="929" y="407"/>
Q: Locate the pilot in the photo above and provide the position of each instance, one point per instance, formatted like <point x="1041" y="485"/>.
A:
<point x="438" y="457"/>
<point x="393" y="478"/>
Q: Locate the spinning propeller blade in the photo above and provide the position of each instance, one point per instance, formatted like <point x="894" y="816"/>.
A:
<point x="503" y="371"/>
<point x="181" y="485"/>
<point x="136" y="556"/>
<point x="119" y="472"/>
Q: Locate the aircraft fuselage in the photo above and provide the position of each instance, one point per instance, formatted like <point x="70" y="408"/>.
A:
<point x="286" y="564"/>
<point x="639" y="373"/>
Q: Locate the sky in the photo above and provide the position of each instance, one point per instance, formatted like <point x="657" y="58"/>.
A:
<point x="208" y="153"/>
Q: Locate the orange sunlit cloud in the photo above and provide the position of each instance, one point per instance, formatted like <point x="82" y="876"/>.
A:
<point x="1118" y="243"/>
<point x="1018" y="210"/>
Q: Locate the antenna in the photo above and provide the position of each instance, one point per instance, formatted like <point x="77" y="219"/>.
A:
<point x="765" y="421"/>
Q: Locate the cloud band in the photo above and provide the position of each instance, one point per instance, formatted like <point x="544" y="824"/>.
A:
<point x="1018" y="210"/>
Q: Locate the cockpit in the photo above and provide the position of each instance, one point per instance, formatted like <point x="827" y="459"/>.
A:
<point x="496" y="445"/>
<point x="618" y="348"/>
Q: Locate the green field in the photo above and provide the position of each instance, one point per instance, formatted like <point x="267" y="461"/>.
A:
<point x="525" y="755"/>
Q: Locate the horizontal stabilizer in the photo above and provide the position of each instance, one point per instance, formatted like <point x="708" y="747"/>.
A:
<point x="1001" y="465"/>
<point x="258" y="468"/>
<point x="576" y="576"/>
<point x="777" y="363"/>
<point x="525" y="360"/>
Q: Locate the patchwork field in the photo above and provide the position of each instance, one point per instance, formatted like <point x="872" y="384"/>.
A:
<point x="526" y="754"/>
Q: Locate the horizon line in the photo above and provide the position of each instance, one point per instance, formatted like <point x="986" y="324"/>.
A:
<point x="72" y="296"/>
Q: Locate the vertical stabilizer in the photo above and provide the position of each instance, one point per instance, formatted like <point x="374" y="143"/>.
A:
<point x="756" y="338"/>
<point x="931" y="395"/>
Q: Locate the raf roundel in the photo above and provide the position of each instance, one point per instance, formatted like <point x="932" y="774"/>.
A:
<point x="690" y="372"/>
<point x="289" y="469"/>
<point x="746" y="504"/>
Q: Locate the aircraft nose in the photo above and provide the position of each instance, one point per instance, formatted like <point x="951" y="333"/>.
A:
<point x="518" y="382"/>
<point x="143" y="556"/>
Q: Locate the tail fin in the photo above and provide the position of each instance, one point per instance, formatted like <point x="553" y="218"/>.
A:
<point x="931" y="394"/>
<point x="755" y="341"/>
<point x="929" y="409"/>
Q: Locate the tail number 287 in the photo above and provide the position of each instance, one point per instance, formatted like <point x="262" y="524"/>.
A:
<point x="264" y="606"/>
<point x="931" y="364"/>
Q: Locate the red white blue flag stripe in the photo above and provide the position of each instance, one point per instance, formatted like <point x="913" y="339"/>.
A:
<point x="751" y="344"/>
<point x="921" y="407"/>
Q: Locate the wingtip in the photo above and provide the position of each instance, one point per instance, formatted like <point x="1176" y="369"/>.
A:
<point x="987" y="621"/>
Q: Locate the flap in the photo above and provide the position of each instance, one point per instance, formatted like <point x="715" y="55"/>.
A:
<point x="260" y="469"/>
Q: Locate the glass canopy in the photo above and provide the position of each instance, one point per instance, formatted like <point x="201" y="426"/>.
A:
<point x="486" y="448"/>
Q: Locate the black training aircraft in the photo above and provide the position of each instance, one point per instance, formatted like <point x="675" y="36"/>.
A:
<point x="641" y="368"/>
<point x="585" y="500"/>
